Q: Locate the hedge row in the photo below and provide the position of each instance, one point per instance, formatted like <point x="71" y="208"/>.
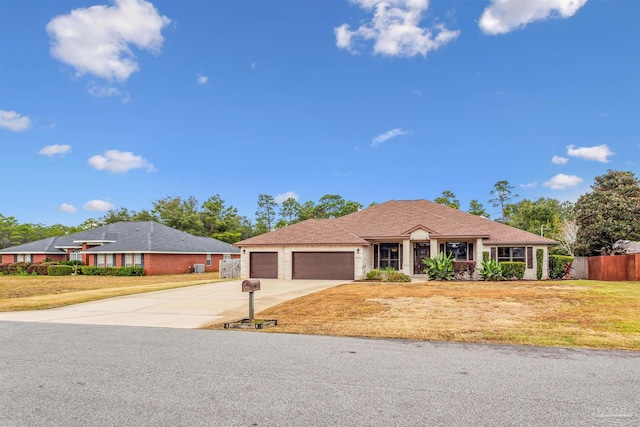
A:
<point x="559" y="266"/>
<point x="112" y="271"/>
<point x="513" y="270"/>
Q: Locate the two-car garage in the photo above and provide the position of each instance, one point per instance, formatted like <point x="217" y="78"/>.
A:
<point x="304" y="265"/>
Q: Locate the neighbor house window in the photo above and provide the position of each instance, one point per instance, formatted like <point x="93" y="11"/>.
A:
<point x="226" y="256"/>
<point x="99" y="260"/>
<point x="515" y="254"/>
<point x="23" y="258"/>
<point x="110" y="260"/>
<point x="459" y="251"/>
<point x="138" y="260"/>
<point x="75" y="255"/>
<point x="208" y="259"/>
<point x="128" y="260"/>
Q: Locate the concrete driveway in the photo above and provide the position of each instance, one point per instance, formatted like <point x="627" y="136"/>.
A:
<point x="190" y="307"/>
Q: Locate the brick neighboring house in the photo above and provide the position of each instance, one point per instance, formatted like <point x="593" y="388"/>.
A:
<point x="396" y="234"/>
<point x="156" y="247"/>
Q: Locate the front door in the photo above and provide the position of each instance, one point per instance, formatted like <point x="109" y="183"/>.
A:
<point x="420" y="252"/>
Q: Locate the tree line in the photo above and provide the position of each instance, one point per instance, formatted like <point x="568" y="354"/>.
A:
<point x="608" y="213"/>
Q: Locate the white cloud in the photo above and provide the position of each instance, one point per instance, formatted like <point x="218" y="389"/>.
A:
<point x="115" y="161"/>
<point x="52" y="150"/>
<point x="599" y="153"/>
<point x="98" y="205"/>
<point x="387" y="136"/>
<point x="67" y="208"/>
<point x="200" y="79"/>
<point x="98" y="40"/>
<point x="394" y="29"/>
<point x="529" y="184"/>
<point x="284" y="196"/>
<point x="14" y="121"/>
<point x="253" y="65"/>
<point x="50" y="126"/>
<point x="503" y="16"/>
<point x="562" y="181"/>
<point x="100" y="91"/>
<point x="559" y="160"/>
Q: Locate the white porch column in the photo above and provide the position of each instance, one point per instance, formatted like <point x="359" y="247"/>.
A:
<point x="406" y="257"/>
<point x="434" y="248"/>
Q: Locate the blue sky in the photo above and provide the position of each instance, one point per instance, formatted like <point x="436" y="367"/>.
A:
<point x="105" y="105"/>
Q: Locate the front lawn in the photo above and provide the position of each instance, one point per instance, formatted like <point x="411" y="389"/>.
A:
<point x="41" y="292"/>
<point x="545" y="313"/>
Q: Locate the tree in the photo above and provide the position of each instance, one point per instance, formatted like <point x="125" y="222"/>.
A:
<point x="448" y="199"/>
<point x="307" y="210"/>
<point x="543" y="216"/>
<point x="503" y="195"/>
<point x="144" y="215"/>
<point x="266" y="213"/>
<point x="476" y="208"/>
<point x="568" y="237"/>
<point x="221" y="222"/>
<point x="288" y="212"/>
<point x="116" y="215"/>
<point x="180" y="214"/>
<point x="610" y="212"/>
<point x="350" y="207"/>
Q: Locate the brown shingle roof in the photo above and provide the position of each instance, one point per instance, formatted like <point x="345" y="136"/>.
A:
<point x="397" y="219"/>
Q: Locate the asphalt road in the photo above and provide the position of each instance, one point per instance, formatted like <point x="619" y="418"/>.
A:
<point x="88" y="375"/>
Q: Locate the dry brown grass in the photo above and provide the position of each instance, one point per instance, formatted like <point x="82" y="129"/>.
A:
<point x="568" y="313"/>
<point x="41" y="292"/>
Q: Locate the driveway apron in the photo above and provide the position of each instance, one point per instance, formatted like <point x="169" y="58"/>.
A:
<point x="190" y="307"/>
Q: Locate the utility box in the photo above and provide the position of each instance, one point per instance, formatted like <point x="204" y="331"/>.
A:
<point x="198" y="268"/>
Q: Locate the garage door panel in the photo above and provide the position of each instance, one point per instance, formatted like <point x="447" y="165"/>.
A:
<point x="263" y="265"/>
<point x="323" y="265"/>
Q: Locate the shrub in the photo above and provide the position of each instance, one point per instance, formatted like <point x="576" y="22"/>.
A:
<point x="388" y="275"/>
<point x="112" y="271"/>
<point x="513" y="270"/>
<point x="463" y="270"/>
<point x="16" y="268"/>
<point x="491" y="270"/>
<point x="40" y="269"/>
<point x="439" y="268"/>
<point x="374" y="275"/>
<point x="559" y="266"/>
<point x="485" y="256"/>
<point x="539" y="258"/>
<point x="59" y="270"/>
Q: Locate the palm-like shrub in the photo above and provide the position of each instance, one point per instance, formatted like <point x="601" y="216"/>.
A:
<point x="491" y="271"/>
<point x="440" y="267"/>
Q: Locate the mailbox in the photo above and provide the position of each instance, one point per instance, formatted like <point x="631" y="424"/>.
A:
<point x="250" y="285"/>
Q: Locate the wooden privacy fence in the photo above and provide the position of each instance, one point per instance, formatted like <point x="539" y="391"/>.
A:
<point x="229" y="268"/>
<point x="615" y="267"/>
<point x="580" y="267"/>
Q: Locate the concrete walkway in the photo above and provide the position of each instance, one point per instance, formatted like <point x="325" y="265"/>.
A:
<point x="190" y="307"/>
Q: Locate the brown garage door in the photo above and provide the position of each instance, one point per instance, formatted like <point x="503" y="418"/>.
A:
<point x="323" y="265"/>
<point x="264" y="265"/>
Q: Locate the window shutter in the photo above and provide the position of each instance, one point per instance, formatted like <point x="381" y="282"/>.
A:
<point x="142" y="260"/>
<point x="441" y="248"/>
<point x="375" y="256"/>
<point x="15" y="257"/>
<point x="122" y="260"/>
<point x="95" y="259"/>
<point x="400" y="258"/>
<point x="470" y="255"/>
<point x="529" y="257"/>
<point x="113" y="259"/>
<point x="494" y="253"/>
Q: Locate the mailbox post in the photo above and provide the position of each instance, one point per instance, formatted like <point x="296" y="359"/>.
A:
<point x="251" y="285"/>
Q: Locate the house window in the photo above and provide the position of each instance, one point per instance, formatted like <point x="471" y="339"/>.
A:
<point x="23" y="258"/>
<point x="513" y="254"/>
<point x="208" y="259"/>
<point x="138" y="260"/>
<point x="226" y="256"/>
<point x="110" y="260"/>
<point x="128" y="260"/>
<point x="75" y="255"/>
<point x="99" y="260"/>
<point x="459" y="251"/>
<point x="389" y="255"/>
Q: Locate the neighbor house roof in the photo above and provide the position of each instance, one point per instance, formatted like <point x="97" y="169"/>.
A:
<point x="143" y="236"/>
<point x="396" y="219"/>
